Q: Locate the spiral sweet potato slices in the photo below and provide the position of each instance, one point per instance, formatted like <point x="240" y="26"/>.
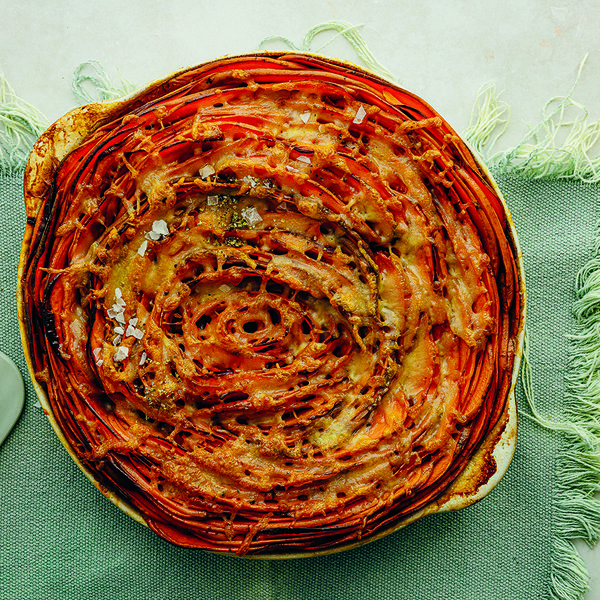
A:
<point x="273" y="303"/>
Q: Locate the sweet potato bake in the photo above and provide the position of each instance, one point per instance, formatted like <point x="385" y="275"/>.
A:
<point x="272" y="304"/>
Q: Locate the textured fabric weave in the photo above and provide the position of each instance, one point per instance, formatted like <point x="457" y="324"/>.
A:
<point x="61" y="539"/>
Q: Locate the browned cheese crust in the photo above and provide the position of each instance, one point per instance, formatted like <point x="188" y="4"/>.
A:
<point x="273" y="305"/>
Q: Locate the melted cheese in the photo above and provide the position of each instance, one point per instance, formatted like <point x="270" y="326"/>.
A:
<point x="288" y="312"/>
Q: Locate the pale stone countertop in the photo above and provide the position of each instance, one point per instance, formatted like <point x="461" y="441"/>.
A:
<point x="442" y="51"/>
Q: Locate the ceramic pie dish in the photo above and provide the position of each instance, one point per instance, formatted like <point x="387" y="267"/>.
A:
<point x="272" y="305"/>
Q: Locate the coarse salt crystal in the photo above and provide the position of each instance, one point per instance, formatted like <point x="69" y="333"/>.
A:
<point x="133" y="321"/>
<point x="120" y="317"/>
<point x="361" y="113"/>
<point x="143" y="247"/>
<point x="143" y="358"/>
<point x="251" y="215"/>
<point x="118" y="293"/>
<point x="117" y="340"/>
<point x="206" y="171"/>
<point x="305" y="116"/>
<point x="121" y="354"/>
<point x="133" y="331"/>
<point x="212" y="200"/>
<point x="304" y="159"/>
<point x="96" y="353"/>
<point x="120" y="304"/>
<point x="224" y="288"/>
<point x="113" y="311"/>
<point x="160" y="227"/>
<point x="118" y="329"/>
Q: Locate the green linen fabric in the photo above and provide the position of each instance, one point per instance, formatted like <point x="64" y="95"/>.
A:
<point x="61" y="539"/>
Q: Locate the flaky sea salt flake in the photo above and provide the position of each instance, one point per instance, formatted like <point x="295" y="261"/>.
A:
<point x="115" y="312"/>
<point x="251" y="215"/>
<point x="361" y="113"/>
<point x="305" y="116"/>
<point x="160" y="227"/>
<point x="143" y="247"/>
<point x="121" y="354"/>
<point x="133" y="331"/>
<point x="206" y="171"/>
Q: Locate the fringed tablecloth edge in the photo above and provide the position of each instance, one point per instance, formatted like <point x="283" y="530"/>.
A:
<point x="564" y="145"/>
